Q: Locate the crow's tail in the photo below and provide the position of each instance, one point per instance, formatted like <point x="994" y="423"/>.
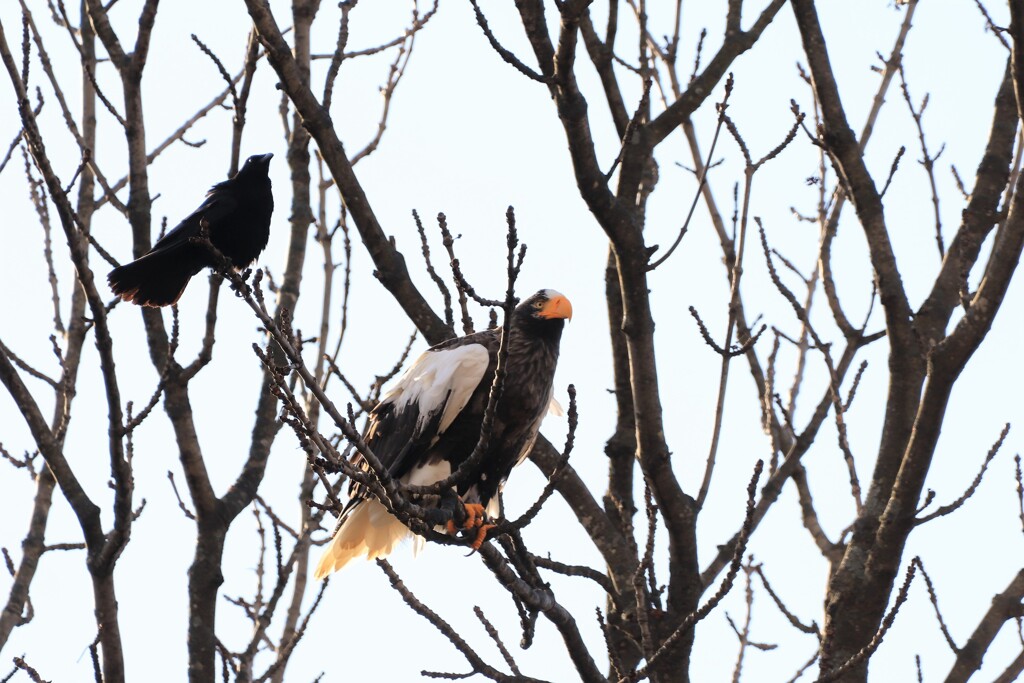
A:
<point x="156" y="279"/>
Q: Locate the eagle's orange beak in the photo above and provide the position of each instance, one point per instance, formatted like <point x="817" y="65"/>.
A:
<point x="556" y="307"/>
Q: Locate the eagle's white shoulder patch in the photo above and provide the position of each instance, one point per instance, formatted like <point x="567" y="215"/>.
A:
<point x="439" y="380"/>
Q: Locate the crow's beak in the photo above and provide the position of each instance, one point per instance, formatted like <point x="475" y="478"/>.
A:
<point x="267" y="157"/>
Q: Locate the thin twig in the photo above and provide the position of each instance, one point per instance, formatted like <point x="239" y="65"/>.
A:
<point x="955" y="505"/>
<point x="441" y="286"/>
<point x="506" y="55"/>
<point x="721" y="107"/>
<point x="934" y="598"/>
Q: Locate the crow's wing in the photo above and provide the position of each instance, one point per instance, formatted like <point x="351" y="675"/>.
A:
<point x="218" y="204"/>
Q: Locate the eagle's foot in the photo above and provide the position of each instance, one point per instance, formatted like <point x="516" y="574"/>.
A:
<point x="475" y="516"/>
<point x="481" y="535"/>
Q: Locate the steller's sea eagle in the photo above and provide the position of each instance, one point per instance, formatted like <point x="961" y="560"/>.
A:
<point x="429" y="423"/>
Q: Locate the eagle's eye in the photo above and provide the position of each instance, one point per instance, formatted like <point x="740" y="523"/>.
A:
<point x="538" y="304"/>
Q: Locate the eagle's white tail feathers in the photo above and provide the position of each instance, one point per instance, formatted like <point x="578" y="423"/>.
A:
<point x="494" y="507"/>
<point x="369" y="531"/>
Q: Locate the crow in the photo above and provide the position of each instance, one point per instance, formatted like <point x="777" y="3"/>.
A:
<point x="237" y="214"/>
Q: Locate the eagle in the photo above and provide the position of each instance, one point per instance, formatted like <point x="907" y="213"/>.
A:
<point x="429" y="423"/>
<point x="237" y="214"/>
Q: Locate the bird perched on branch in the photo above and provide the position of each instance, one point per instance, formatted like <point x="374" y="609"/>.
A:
<point x="429" y="423"/>
<point x="236" y="214"/>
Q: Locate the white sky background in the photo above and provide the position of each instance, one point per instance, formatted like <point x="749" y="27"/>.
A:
<point x="468" y="136"/>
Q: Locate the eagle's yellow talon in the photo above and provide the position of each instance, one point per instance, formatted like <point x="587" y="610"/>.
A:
<point x="475" y="516"/>
<point x="481" y="536"/>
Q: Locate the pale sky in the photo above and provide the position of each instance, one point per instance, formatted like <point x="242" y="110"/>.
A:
<point x="468" y="136"/>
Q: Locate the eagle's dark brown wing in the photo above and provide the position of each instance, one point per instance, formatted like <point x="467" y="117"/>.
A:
<point x="408" y="423"/>
<point x="416" y="414"/>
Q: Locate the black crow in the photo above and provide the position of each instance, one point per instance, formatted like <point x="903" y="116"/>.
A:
<point x="237" y="213"/>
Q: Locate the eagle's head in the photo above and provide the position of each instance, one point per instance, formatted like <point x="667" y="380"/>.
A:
<point x="547" y="310"/>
